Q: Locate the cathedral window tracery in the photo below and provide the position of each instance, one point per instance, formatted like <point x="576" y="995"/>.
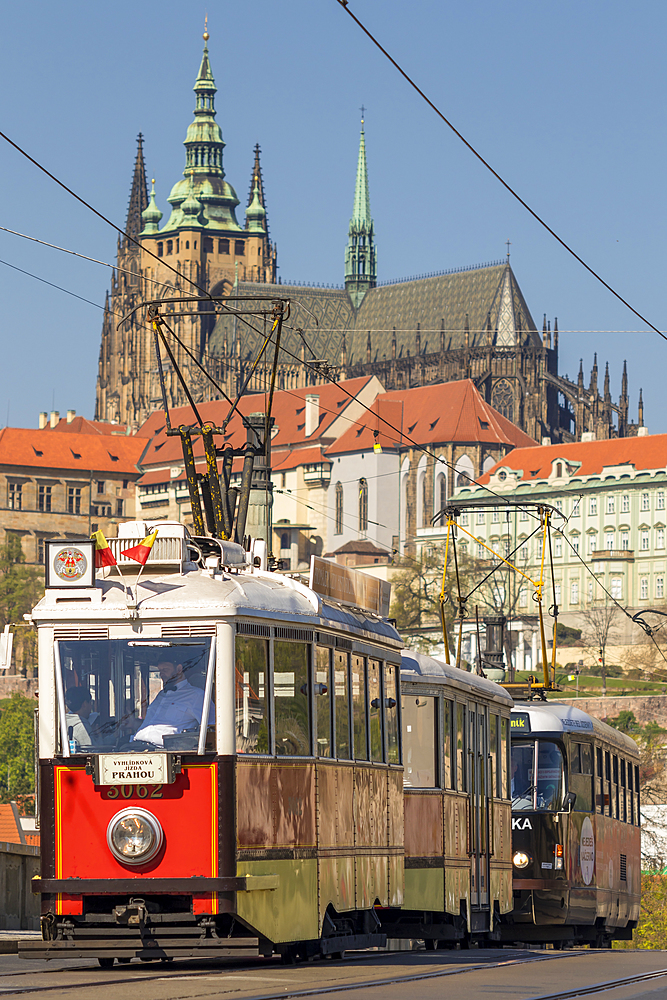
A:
<point x="502" y="398"/>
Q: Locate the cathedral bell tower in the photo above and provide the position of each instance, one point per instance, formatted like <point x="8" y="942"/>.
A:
<point x="360" y="259"/>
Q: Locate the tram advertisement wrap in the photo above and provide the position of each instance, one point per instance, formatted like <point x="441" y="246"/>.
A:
<point x="587" y="851"/>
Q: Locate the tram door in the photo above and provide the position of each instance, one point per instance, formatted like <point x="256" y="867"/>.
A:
<point x="478" y="785"/>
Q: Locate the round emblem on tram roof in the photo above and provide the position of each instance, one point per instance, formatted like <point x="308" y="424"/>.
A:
<point x="70" y="563"/>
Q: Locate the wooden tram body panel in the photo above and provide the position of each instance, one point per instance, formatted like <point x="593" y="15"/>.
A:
<point x="595" y="896"/>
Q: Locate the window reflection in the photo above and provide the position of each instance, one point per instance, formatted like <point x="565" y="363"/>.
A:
<point x="533" y="790"/>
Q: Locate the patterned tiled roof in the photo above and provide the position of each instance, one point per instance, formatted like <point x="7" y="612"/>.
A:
<point x="325" y="314"/>
<point x="587" y="458"/>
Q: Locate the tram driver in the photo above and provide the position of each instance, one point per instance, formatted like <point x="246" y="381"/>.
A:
<point x="178" y="707"/>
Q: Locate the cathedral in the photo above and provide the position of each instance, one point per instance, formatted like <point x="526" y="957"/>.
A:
<point x="468" y="323"/>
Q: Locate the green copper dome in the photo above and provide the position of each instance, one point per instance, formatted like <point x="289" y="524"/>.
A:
<point x="151" y="214"/>
<point x="255" y="212"/>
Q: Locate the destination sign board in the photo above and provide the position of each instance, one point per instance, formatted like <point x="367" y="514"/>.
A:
<point x="519" y="722"/>
<point x="133" y="769"/>
<point x="349" y="586"/>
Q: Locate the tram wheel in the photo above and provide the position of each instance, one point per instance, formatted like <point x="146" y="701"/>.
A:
<point x="430" y="944"/>
<point x="105" y="963"/>
<point x="123" y="961"/>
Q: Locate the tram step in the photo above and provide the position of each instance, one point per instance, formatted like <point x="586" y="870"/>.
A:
<point x="156" y="948"/>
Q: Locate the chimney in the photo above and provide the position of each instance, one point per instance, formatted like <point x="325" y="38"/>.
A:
<point x="43" y="420"/>
<point x="642" y="431"/>
<point x="312" y="414"/>
<point x="55" y="417"/>
<point x="70" y="416"/>
<point x="546" y="441"/>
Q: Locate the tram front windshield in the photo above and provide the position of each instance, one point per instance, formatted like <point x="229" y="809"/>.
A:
<point x="133" y="695"/>
<point x="537" y="776"/>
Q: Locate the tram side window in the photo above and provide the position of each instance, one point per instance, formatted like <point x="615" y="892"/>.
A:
<point x="359" y="707"/>
<point x="631" y="797"/>
<point x="599" y="795"/>
<point x="637" y="798"/>
<point x="607" y="782"/>
<point x="252" y="717"/>
<point x="622" y="814"/>
<point x="461" y="748"/>
<point x="504" y="758"/>
<point x="494" y="734"/>
<point x="447" y="778"/>
<point x="614" y="786"/>
<point x="375" y="708"/>
<point x="290" y="687"/>
<point x="322" y="702"/>
<point x="341" y="705"/>
<point x="419" y="741"/>
<point x="391" y="712"/>
<point x="581" y="775"/>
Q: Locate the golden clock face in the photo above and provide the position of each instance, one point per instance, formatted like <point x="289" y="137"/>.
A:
<point x="70" y="564"/>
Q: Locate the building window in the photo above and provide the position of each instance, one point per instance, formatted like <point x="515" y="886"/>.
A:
<point x="590" y="591"/>
<point x="339" y="509"/>
<point x="523" y="598"/>
<point x="502" y="398"/>
<point x="101" y="486"/>
<point x="660" y="500"/>
<point x="119" y="508"/>
<point x="616" y="589"/>
<point x="660" y="538"/>
<point x="558" y="504"/>
<point x="74" y="500"/>
<point x="363" y="505"/>
<point x="223" y="246"/>
<point x="44" y="499"/>
<point x="557" y="593"/>
<point x="160" y="249"/>
<point x="14" y="496"/>
<point x="481" y="551"/>
<point x="558" y="547"/>
<point x="576" y="509"/>
<point x="480" y="517"/>
<point x="643" y="588"/>
<point x="611" y="505"/>
<point x="609" y="540"/>
<point x="660" y="587"/>
<point x="239" y="248"/>
<point x="285" y="541"/>
<point x="592" y="543"/>
<point x="574" y="592"/>
<point x="170" y="247"/>
<point x="574" y="542"/>
<point x="441" y="491"/>
<point x="625" y="540"/>
<point x="523" y="516"/>
<point x="559" y="470"/>
<point x="644" y="503"/>
<point x="593" y="505"/>
<point x="643" y="539"/>
<point x="625" y="504"/>
<point x="523" y="552"/>
<point x="464" y="520"/>
<point x="40" y="550"/>
<point x="208" y="244"/>
<point x="495" y="516"/>
<point x="126" y="483"/>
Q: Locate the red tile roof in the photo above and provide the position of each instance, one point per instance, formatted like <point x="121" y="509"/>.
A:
<point x="283" y="461"/>
<point x="10" y="825"/>
<point x="431" y="414"/>
<point x="81" y="425"/>
<point x="648" y="452"/>
<point x="84" y="452"/>
<point x="288" y="411"/>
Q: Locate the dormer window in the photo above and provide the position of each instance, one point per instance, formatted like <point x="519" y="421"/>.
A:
<point x="559" y="470"/>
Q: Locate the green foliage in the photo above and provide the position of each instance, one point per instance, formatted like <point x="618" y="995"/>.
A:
<point x="567" y="636"/>
<point x="651" y="931"/>
<point x="415" y="589"/>
<point x="20" y="589"/>
<point x="625" y="721"/>
<point x="611" y="670"/>
<point x="17" y="747"/>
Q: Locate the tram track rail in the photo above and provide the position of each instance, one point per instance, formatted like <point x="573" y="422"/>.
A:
<point x="100" y="979"/>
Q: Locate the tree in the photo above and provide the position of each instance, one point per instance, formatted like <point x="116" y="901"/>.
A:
<point x="17" y="747"/>
<point x="415" y="588"/>
<point x="20" y="588"/>
<point x="598" y="630"/>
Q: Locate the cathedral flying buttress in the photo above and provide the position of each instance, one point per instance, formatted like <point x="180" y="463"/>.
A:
<point x="469" y="323"/>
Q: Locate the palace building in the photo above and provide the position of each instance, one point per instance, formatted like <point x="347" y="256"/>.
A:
<point x="472" y="323"/>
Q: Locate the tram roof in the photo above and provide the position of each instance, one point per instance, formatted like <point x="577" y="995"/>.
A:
<point x="555" y="717"/>
<point x="418" y="666"/>
<point x="197" y="595"/>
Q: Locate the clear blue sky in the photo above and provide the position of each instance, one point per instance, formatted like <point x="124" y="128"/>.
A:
<point x="566" y="101"/>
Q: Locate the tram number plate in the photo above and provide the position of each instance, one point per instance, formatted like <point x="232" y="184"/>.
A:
<point x="143" y="769"/>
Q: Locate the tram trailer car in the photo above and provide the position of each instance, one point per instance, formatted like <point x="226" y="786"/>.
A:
<point x="575" y="828"/>
<point x="276" y="822"/>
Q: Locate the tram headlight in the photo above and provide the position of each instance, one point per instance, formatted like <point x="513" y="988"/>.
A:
<point x="521" y="859"/>
<point x="134" y="836"/>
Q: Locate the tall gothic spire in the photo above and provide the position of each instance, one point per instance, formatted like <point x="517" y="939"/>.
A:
<point x="138" y="196"/>
<point x="203" y="162"/>
<point x="255" y="213"/>
<point x="360" y="258"/>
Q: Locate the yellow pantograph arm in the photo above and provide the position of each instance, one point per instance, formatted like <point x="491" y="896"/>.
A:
<point x="442" y="594"/>
<point x="544" y="549"/>
<point x="502" y="559"/>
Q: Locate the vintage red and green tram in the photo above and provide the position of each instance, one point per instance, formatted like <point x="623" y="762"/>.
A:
<point x="330" y="794"/>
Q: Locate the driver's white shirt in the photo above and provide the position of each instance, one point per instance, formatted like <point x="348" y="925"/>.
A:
<point x="172" y="712"/>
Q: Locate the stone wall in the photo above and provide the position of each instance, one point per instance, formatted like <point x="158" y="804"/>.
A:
<point x="19" y="906"/>
<point x="11" y="683"/>
<point x="647" y="708"/>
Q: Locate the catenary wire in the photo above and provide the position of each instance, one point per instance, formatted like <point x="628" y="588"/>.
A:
<point x="52" y="285"/>
<point x="113" y="225"/>
<point x="345" y="5"/>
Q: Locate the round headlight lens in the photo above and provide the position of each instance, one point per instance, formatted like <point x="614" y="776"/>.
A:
<point x="134" y="836"/>
<point x="521" y="859"/>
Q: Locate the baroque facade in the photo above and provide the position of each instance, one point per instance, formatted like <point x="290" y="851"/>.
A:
<point x="472" y="323"/>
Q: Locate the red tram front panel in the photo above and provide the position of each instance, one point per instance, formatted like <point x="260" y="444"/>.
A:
<point x="187" y="811"/>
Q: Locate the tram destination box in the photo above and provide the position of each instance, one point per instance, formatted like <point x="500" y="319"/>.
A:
<point x="135" y="769"/>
